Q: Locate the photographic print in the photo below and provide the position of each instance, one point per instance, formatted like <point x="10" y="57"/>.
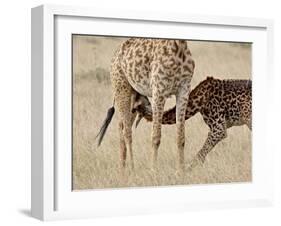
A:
<point x="160" y="112"/>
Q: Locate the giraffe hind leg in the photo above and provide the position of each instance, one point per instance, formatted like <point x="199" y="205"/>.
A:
<point x="123" y="150"/>
<point x="123" y="94"/>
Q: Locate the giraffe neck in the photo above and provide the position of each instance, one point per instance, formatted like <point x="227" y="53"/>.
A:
<point x="195" y="104"/>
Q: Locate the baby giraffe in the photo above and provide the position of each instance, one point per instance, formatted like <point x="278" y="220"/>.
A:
<point x="222" y="103"/>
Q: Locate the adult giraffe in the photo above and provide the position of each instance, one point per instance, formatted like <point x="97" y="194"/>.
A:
<point x="157" y="68"/>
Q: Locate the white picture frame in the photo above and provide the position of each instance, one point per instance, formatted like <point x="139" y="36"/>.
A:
<point x="52" y="197"/>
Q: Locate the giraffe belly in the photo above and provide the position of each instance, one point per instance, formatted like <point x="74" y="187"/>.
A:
<point x="142" y="87"/>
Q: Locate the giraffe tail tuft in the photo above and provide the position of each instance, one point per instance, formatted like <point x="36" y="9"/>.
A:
<point x="105" y="124"/>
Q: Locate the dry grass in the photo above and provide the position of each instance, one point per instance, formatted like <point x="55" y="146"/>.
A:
<point x="229" y="161"/>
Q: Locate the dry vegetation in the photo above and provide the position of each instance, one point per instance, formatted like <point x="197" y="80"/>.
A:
<point x="229" y="161"/>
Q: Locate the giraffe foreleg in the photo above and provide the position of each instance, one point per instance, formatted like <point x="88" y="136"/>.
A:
<point x="181" y="105"/>
<point x="216" y="134"/>
<point x="158" y="103"/>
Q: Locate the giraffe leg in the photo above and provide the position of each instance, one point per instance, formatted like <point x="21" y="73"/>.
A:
<point x="123" y="150"/>
<point x="181" y="105"/>
<point x="133" y="116"/>
<point x="127" y="133"/>
<point x="123" y="93"/>
<point x="216" y="134"/>
<point x="158" y="103"/>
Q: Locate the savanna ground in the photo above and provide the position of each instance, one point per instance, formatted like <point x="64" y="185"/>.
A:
<point x="95" y="168"/>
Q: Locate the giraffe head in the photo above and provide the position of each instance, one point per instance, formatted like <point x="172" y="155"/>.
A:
<point x="143" y="107"/>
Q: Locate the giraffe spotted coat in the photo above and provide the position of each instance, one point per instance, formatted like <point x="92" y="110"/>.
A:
<point x="156" y="68"/>
<point x="222" y="103"/>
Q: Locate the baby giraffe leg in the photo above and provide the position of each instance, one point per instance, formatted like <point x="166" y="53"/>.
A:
<point x="216" y="134"/>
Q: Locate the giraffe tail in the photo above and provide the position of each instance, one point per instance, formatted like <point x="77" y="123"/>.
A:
<point x="105" y="124"/>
